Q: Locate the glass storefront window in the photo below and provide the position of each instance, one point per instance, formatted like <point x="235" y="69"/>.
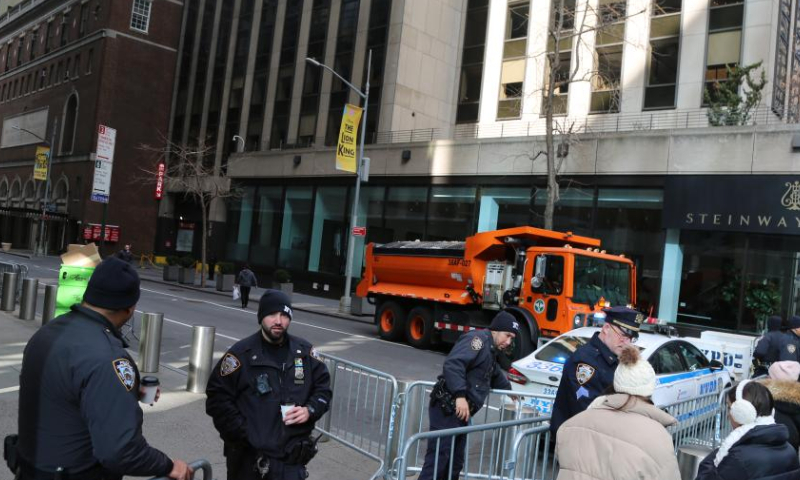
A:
<point x="328" y="247"/>
<point x="452" y="213"/>
<point x="504" y="208"/>
<point x="573" y="211"/>
<point x="239" y="226"/>
<point x="405" y="212"/>
<point x="267" y="227"/>
<point x="296" y="229"/>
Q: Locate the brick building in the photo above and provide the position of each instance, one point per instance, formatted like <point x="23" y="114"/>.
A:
<point x="65" y="68"/>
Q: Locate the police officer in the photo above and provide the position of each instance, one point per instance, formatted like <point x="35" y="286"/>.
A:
<point x="79" y="416"/>
<point x="767" y="350"/>
<point x="265" y="395"/>
<point x="470" y="371"/>
<point x="590" y="370"/>
<point x="789" y="345"/>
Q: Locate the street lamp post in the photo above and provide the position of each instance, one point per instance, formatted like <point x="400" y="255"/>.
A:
<point x="345" y="302"/>
<point x="42" y="247"/>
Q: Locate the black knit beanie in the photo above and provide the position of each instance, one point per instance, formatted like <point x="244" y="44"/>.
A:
<point x="274" y="301"/>
<point x="505" y="322"/>
<point x="113" y="285"/>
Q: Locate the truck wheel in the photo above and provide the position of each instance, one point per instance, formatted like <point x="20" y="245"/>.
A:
<point x="391" y="321"/>
<point x="419" y="327"/>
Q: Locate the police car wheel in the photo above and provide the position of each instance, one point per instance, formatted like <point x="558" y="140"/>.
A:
<point x="391" y="318"/>
<point x="419" y="327"/>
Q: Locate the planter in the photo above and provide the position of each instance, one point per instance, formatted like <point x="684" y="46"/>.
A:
<point x="6" y="246"/>
<point x="186" y="276"/>
<point x="171" y="273"/>
<point x="225" y="282"/>
<point x="286" y="288"/>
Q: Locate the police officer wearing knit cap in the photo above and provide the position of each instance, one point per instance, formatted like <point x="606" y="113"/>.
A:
<point x="767" y="349"/>
<point x="590" y="370"/>
<point x="255" y="380"/>
<point x="470" y="371"/>
<point x="79" y="390"/>
<point x="789" y="344"/>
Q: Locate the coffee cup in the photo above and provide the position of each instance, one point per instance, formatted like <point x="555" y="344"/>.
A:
<point x="149" y="389"/>
<point x="285" y="409"/>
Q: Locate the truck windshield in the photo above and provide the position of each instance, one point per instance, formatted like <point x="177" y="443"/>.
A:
<point x="596" y="278"/>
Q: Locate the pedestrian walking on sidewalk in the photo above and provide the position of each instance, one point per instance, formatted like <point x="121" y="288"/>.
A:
<point x="125" y="254"/>
<point x="470" y="371"/>
<point x="621" y="435"/>
<point x="79" y="414"/>
<point x="757" y="448"/>
<point x="589" y="372"/>
<point x="266" y="394"/>
<point x="246" y="280"/>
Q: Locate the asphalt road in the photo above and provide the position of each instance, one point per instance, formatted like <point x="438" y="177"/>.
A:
<point x="183" y="308"/>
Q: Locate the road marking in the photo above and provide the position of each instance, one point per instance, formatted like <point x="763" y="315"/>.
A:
<point x="9" y="389"/>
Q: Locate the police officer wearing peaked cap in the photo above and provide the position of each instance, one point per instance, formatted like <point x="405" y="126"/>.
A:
<point x="470" y="371"/>
<point x="255" y="380"/>
<point x="590" y="370"/>
<point x="789" y="344"/>
<point x="79" y="416"/>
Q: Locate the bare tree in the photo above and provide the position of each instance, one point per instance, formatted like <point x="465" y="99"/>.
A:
<point x="190" y="170"/>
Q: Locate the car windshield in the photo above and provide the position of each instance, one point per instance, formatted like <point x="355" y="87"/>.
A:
<point x="596" y="278"/>
<point x="560" y="349"/>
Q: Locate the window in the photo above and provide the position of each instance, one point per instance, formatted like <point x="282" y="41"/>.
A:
<point x="19" y="51"/>
<point x="607" y="77"/>
<point x="667" y="360"/>
<point x="64" y="29"/>
<point x="48" y="37"/>
<point x="70" y="122"/>
<point x="84" y="19"/>
<point x="328" y="239"/>
<point x="296" y="227"/>
<point x="451" y="213"/>
<point x="512" y="76"/>
<point x="724" y="47"/>
<point x="693" y="357"/>
<point x="89" y="61"/>
<point x="66" y="70"/>
<point x="32" y="44"/>
<point x="8" y="57"/>
<point x="469" y="89"/>
<point x="50" y="75"/>
<point x="562" y="64"/>
<point x="140" y="16"/>
<point x="553" y="281"/>
<point x="596" y="278"/>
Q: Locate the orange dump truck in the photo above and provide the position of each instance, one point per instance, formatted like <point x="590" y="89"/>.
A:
<point x="427" y="292"/>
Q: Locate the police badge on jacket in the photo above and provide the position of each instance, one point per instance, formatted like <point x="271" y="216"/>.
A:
<point x="265" y="395"/>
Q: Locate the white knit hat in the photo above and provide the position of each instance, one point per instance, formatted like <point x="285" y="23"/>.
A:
<point x="634" y="376"/>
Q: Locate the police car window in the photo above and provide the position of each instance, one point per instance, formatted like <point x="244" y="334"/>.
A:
<point x="559" y="350"/>
<point x="694" y="358"/>
<point x="667" y="360"/>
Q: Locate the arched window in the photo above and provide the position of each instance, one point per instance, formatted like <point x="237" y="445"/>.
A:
<point x="60" y="195"/>
<point x="4" y="191"/>
<point x="16" y="193"/>
<point x="69" y="124"/>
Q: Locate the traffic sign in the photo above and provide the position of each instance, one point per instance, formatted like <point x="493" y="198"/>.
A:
<point x="359" y="231"/>
<point x="101" y="187"/>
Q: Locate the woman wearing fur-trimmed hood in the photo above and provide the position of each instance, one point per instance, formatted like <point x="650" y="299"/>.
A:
<point x="757" y="448"/>
<point x="785" y="389"/>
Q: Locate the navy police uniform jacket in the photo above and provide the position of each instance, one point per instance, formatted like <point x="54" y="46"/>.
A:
<point x="586" y="375"/>
<point x="789" y="347"/>
<point x="471" y="369"/>
<point x="79" y="401"/>
<point x="247" y="412"/>
<point x="768" y="348"/>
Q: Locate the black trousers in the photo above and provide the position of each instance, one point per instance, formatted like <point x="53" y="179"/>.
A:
<point x="441" y="462"/>
<point x="245" y="292"/>
<point x="241" y="466"/>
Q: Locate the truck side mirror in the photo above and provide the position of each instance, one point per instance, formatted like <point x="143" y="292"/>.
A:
<point x="539" y="272"/>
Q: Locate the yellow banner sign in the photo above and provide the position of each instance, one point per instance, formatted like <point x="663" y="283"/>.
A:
<point x="40" y="166"/>
<point x="348" y="135"/>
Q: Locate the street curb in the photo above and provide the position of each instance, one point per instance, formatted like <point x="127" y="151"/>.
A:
<point x="21" y="255"/>
<point x="343" y="316"/>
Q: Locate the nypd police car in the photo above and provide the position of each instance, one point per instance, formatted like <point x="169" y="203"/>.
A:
<point x="682" y="371"/>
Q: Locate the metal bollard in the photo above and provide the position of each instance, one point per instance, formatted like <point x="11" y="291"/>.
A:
<point x="200" y="358"/>
<point x="49" y="308"/>
<point x="9" y="292"/>
<point x="27" y="304"/>
<point x="150" y="343"/>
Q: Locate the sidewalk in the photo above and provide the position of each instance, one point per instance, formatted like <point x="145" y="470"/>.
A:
<point x="177" y="424"/>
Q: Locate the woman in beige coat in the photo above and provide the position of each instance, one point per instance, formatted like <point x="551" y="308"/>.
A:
<point x="621" y="436"/>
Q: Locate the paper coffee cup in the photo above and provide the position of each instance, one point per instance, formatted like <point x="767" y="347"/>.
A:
<point x="285" y="409"/>
<point x="149" y="387"/>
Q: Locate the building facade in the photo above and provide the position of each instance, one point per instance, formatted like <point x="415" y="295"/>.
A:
<point x="67" y="67"/>
<point x="456" y="117"/>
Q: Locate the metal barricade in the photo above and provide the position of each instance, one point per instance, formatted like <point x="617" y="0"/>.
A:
<point x="531" y="456"/>
<point x="363" y="413"/>
<point x="696" y="420"/>
<point x="487" y="446"/>
<point x="203" y="465"/>
<point x="19" y="269"/>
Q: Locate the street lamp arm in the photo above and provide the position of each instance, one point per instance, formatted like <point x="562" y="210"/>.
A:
<point x="322" y="65"/>
<point x="17" y="127"/>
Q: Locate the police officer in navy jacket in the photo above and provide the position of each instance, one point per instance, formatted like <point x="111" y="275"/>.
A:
<point x="254" y="381"/>
<point x="79" y="391"/>
<point x="470" y="371"/>
<point x="590" y="370"/>
<point x="789" y="343"/>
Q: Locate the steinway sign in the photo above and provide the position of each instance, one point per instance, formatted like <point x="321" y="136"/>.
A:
<point x="741" y="203"/>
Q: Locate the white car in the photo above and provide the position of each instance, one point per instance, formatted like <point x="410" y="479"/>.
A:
<point x="682" y="371"/>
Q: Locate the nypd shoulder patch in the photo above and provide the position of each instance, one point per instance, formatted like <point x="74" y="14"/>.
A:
<point x="314" y="353"/>
<point x="125" y="372"/>
<point x="229" y="364"/>
<point x="791" y="348"/>
<point x="476" y="343"/>
<point x="584" y="372"/>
